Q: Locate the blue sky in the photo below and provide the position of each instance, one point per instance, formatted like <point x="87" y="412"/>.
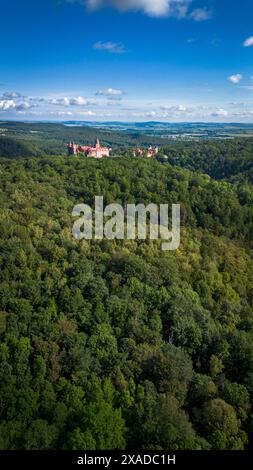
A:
<point x="127" y="60"/>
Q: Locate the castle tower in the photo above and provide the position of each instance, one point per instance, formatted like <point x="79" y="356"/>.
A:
<point x="97" y="144"/>
<point x="72" y="148"/>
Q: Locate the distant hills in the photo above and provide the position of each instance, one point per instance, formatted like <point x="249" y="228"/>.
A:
<point x="172" y="129"/>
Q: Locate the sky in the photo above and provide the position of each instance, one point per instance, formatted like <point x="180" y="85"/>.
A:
<point x="126" y="60"/>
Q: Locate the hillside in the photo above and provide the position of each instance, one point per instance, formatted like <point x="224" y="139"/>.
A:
<point x="225" y="159"/>
<point x="221" y="159"/>
<point x="52" y="138"/>
<point x="12" y="148"/>
<point x="118" y="344"/>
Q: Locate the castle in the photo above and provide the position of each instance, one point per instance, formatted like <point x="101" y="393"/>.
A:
<point x="93" y="152"/>
<point x="150" y="152"/>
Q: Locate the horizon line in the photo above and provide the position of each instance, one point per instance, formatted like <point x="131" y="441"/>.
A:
<point x="52" y="121"/>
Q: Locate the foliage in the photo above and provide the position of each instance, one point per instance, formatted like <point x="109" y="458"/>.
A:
<point x="113" y="344"/>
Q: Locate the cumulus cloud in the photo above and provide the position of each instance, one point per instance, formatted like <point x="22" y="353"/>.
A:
<point x="151" y="114"/>
<point x="78" y="101"/>
<point x="248" y="42"/>
<point x="79" y="106"/>
<point x="110" y="93"/>
<point x="66" y="101"/>
<point x="243" y="114"/>
<point x="24" y="106"/>
<point x="235" y="78"/>
<point x="7" y="105"/>
<point x="179" y="108"/>
<point x="220" y="113"/>
<point x="60" y="101"/>
<point x="237" y="104"/>
<point x="114" y="102"/>
<point x="155" y="8"/>
<point x="112" y="47"/>
<point x="14" y="101"/>
<point x="61" y="113"/>
<point x="181" y="112"/>
<point x="87" y="113"/>
<point x="11" y="105"/>
<point x="116" y="99"/>
<point x="201" y="14"/>
<point x="11" y="95"/>
<point x="150" y="7"/>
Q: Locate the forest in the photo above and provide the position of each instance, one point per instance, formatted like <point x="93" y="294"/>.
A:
<point x="116" y="344"/>
<point x="229" y="159"/>
<point x="42" y="139"/>
<point x="225" y="159"/>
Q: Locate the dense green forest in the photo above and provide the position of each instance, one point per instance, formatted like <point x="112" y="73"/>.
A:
<point x="228" y="159"/>
<point x="113" y="344"/>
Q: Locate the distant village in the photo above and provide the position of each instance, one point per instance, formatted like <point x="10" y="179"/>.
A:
<point x="100" y="152"/>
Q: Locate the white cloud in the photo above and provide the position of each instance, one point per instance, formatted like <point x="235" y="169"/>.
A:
<point x="66" y="101"/>
<point x="13" y="101"/>
<point x="78" y="101"/>
<point x="155" y="8"/>
<point x="7" y="105"/>
<point x="11" y="95"/>
<point x="24" y="106"/>
<point x="60" y="101"/>
<point x="220" y="113"/>
<point x="114" y="98"/>
<point x="77" y="107"/>
<point x="110" y="93"/>
<point x="113" y="102"/>
<point x="179" y="108"/>
<point x="248" y="42"/>
<point x="61" y="113"/>
<point x="151" y="114"/>
<point x="237" y="104"/>
<point x="112" y="47"/>
<point x="201" y="14"/>
<point x="179" y="113"/>
<point x="150" y="7"/>
<point x="235" y="78"/>
<point x="87" y="113"/>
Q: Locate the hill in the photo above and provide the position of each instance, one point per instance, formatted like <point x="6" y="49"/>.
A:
<point x="231" y="160"/>
<point x="116" y="344"/>
<point x="52" y="138"/>
<point x="12" y="148"/>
